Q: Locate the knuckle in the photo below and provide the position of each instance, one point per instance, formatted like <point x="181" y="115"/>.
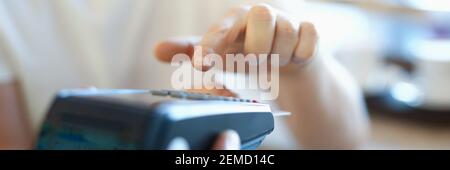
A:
<point x="286" y="27"/>
<point x="309" y="29"/>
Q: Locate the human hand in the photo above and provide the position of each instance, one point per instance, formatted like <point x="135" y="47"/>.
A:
<point x="257" y="29"/>
<point x="227" y="140"/>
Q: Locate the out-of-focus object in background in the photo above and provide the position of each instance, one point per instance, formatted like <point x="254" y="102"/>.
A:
<point x="431" y="75"/>
<point x="426" y="45"/>
<point x="430" y="5"/>
<point x="399" y="51"/>
<point x="421" y="91"/>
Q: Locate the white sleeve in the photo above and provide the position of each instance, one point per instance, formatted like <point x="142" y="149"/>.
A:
<point x="6" y="74"/>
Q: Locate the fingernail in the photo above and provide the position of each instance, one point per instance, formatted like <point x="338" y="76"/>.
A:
<point x="232" y="140"/>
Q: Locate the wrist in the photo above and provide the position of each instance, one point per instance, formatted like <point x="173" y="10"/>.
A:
<point x="307" y="81"/>
<point x="310" y="65"/>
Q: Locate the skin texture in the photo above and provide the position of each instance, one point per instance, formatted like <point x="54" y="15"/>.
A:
<point x="327" y="105"/>
<point x="15" y="130"/>
<point x="227" y="140"/>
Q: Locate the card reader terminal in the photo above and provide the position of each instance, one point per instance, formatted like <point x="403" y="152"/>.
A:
<point x="149" y="119"/>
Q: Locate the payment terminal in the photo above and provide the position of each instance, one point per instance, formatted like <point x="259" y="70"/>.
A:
<point x="149" y="119"/>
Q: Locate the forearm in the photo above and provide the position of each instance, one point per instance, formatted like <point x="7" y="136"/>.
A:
<point x="327" y="105"/>
<point x="15" y="132"/>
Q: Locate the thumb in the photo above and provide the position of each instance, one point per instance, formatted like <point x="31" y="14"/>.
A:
<point x="228" y="140"/>
<point x="224" y="91"/>
<point x="165" y="50"/>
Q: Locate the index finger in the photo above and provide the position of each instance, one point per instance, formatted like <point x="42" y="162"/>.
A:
<point x="165" y="50"/>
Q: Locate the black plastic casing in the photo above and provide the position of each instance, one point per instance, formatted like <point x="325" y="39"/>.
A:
<point x="110" y="121"/>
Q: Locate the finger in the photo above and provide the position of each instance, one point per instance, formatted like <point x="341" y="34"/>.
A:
<point x="165" y="50"/>
<point x="285" y="41"/>
<point x="239" y="21"/>
<point x="221" y="35"/>
<point x="178" y="143"/>
<point x="215" y="91"/>
<point x="260" y="30"/>
<point x="307" y="44"/>
<point x="228" y="140"/>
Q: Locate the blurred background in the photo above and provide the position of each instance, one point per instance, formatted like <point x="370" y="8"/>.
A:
<point x="398" y="50"/>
